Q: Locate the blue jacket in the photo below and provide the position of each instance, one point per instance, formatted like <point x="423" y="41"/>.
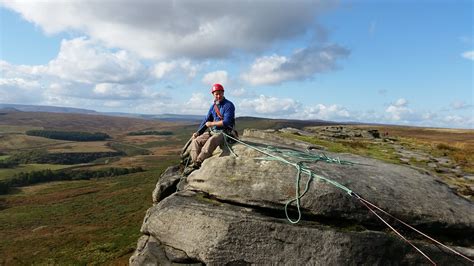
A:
<point x="227" y="110"/>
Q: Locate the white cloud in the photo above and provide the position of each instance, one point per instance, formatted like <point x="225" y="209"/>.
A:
<point x="167" y="69"/>
<point x="398" y="113"/>
<point x="219" y="76"/>
<point x="303" y="64"/>
<point x="466" y="122"/>
<point x="161" y="69"/>
<point x="171" y="29"/>
<point x="15" y="90"/>
<point x="468" y="55"/>
<point x="83" y="73"/>
<point x="83" y="60"/>
<point x="326" y="112"/>
<point x="10" y="71"/>
<point x="197" y="104"/>
<point x="399" y="110"/>
<point x="241" y="93"/>
<point x="20" y="83"/>
<point x="269" y="106"/>
<point x="402" y="102"/>
<point x="265" y="70"/>
<point x="112" y="91"/>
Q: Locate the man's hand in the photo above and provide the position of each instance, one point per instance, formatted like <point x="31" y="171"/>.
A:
<point x="209" y="124"/>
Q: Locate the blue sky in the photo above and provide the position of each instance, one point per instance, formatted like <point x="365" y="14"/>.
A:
<point x="396" y="62"/>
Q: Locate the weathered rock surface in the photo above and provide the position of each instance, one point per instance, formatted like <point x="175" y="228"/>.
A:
<point x="231" y="212"/>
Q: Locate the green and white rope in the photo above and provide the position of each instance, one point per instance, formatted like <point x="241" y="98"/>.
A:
<point x="300" y="169"/>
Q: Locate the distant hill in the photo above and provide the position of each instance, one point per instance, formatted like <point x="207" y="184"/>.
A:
<point x="6" y="108"/>
<point x="162" y="117"/>
<point x="242" y="122"/>
<point x="267" y="123"/>
<point x="44" y="108"/>
<point x="81" y="122"/>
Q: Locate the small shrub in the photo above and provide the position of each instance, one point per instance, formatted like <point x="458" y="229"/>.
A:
<point x="442" y="146"/>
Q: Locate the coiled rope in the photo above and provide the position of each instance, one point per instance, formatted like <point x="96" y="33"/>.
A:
<point x="302" y="169"/>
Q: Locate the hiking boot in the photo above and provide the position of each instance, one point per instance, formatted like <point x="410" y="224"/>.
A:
<point x="194" y="166"/>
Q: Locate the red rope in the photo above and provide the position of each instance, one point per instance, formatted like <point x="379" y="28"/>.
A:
<point x="400" y="235"/>
<point x="413" y="228"/>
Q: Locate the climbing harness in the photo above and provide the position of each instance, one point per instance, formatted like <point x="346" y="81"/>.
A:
<point x="301" y="168"/>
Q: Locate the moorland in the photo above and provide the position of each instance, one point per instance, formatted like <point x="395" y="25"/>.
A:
<point x="70" y="200"/>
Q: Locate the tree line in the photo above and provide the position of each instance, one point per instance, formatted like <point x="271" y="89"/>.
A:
<point x="8" y="164"/>
<point x="34" y="177"/>
<point x="43" y="156"/>
<point x="68" y="135"/>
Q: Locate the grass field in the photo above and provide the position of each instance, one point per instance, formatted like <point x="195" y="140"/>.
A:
<point x="76" y="222"/>
<point x="113" y="125"/>
<point x="379" y="151"/>
<point x="87" y="221"/>
<point x="83" y="146"/>
<point x="458" y="144"/>
<point x="17" y="129"/>
<point x="9" y="172"/>
<point x="15" y="142"/>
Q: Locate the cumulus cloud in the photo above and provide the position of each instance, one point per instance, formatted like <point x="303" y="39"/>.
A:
<point x="176" y="67"/>
<point x="10" y="71"/>
<point x="327" y="112"/>
<point x="468" y="55"/>
<point x="84" y="60"/>
<point x="14" y="90"/>
<point x="399" y="110"/>
<point x="198" y="103"/>
<point x="269" y="106"/>
<point x="20" y="83"/>
<point x="302" y="64"/>
<point x="240" y="93"/>
<point x="84" y="72"/>
<point x="402" y="102"/>
<point x="219" y="76"/>
<point x="171" y="29"/>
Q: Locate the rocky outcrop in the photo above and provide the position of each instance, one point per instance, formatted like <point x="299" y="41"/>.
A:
<point x="231" y="211"/>
<point x="345" y="132"/>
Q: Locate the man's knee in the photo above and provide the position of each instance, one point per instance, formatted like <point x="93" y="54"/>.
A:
<point x="213" y="142"/>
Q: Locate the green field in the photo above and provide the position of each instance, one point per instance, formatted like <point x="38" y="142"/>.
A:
<point x="94" y="221"/>
<point x="76" y="222"/>
<point x="9" y="172"/>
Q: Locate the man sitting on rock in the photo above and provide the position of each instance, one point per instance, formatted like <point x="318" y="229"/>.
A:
<point x="220" y="118"/>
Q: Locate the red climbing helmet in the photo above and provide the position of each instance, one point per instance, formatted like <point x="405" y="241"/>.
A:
<point x="217" y="87"/>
